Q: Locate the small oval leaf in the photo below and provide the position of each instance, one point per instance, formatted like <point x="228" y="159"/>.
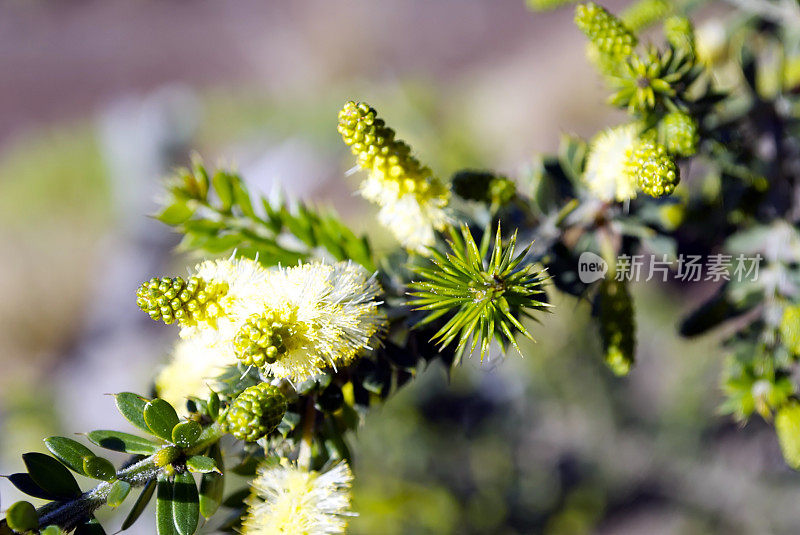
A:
<point x="131" y="406"/>
<point x="164" y="523"/>
<point x="99" y="468"/>
<point x="51" y="530"/>
<point x="200" y="464"/>
<point x="25" y="483"/>
<point x="186" y="433"/>
<point x="140" y="505"/>
<point x="185" y="506"/>
<point x="175" y="214"/>
<point x="119" y="491"/>
<point x="124" y="442"/>
<point x="160" y="418"/>
<point x="212" y="485"/>
<point x="51" y="475"/>
<point x="69" y="452"/>
<point x="222" y="183"/>
<point x="22" y="517"/>
<point x="213" y="405"/>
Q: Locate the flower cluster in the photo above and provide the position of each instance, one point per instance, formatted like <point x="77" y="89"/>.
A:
<point x="412" y="200"/>
<point x="288" y="322"/>
<point x="288" y="499"/>
<point x="655" y="88"/>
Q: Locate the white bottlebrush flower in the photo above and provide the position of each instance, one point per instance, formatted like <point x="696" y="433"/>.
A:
<point x="308" y="318"/>
<point x="238" y="280"/>
<point x="413" y="222"/>
<point x="288" y="500"/>
<point x="605" y="174"/>
<point x="193" y="367"/>
<point x="411" y="210"/>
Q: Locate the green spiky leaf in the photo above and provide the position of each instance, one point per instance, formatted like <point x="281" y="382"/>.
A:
<point x="484" y="298"/>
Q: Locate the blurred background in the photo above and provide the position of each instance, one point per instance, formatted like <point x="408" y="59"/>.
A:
<point x="100" y="100"/>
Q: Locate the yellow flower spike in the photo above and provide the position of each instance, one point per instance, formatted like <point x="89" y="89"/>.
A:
<point x="606" y="31"/>
<point x="211" y="299"/>
<point x="411" y="198"/>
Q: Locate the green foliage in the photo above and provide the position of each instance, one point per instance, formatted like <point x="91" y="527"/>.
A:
<point x="485" y="297"/>
<point x="212" y="485"/>
<point x="70" y="452"/>
<point x="140" y="504"/>
<point x="160" y="418"/>
<point x="124" y="442"/>
<point x="119" y="491"/>
<point x="51" y="476"/>
<point x="176" y="453"/>
<point x="217" y="215"/>
<point x="21" y="516"/>
<point x="617" y="323"/>
<point x="654" y="81"/>
<point x="98" y="468"/>
<point x="748" y="391"/>
<point x="787" y="425"/>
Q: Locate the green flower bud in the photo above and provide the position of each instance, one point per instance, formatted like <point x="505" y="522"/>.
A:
<point x="678" y="132"/>
<point x="165" y="456"/>
<point x="787" y="426"/>
<point x="262" y="339"/>
<point x="256" y="412"/>
<point x="680" y="33"/>
<point x="671" y="216"/>
<point x="644" y="13"/>
<point x="654" y="171"/>
<point x="171" y="299"/>
<point x="790" y="328"/>
<point x="617" y="325"/>
<point x="501" y="191"/>
<point x="606" y="31"/>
